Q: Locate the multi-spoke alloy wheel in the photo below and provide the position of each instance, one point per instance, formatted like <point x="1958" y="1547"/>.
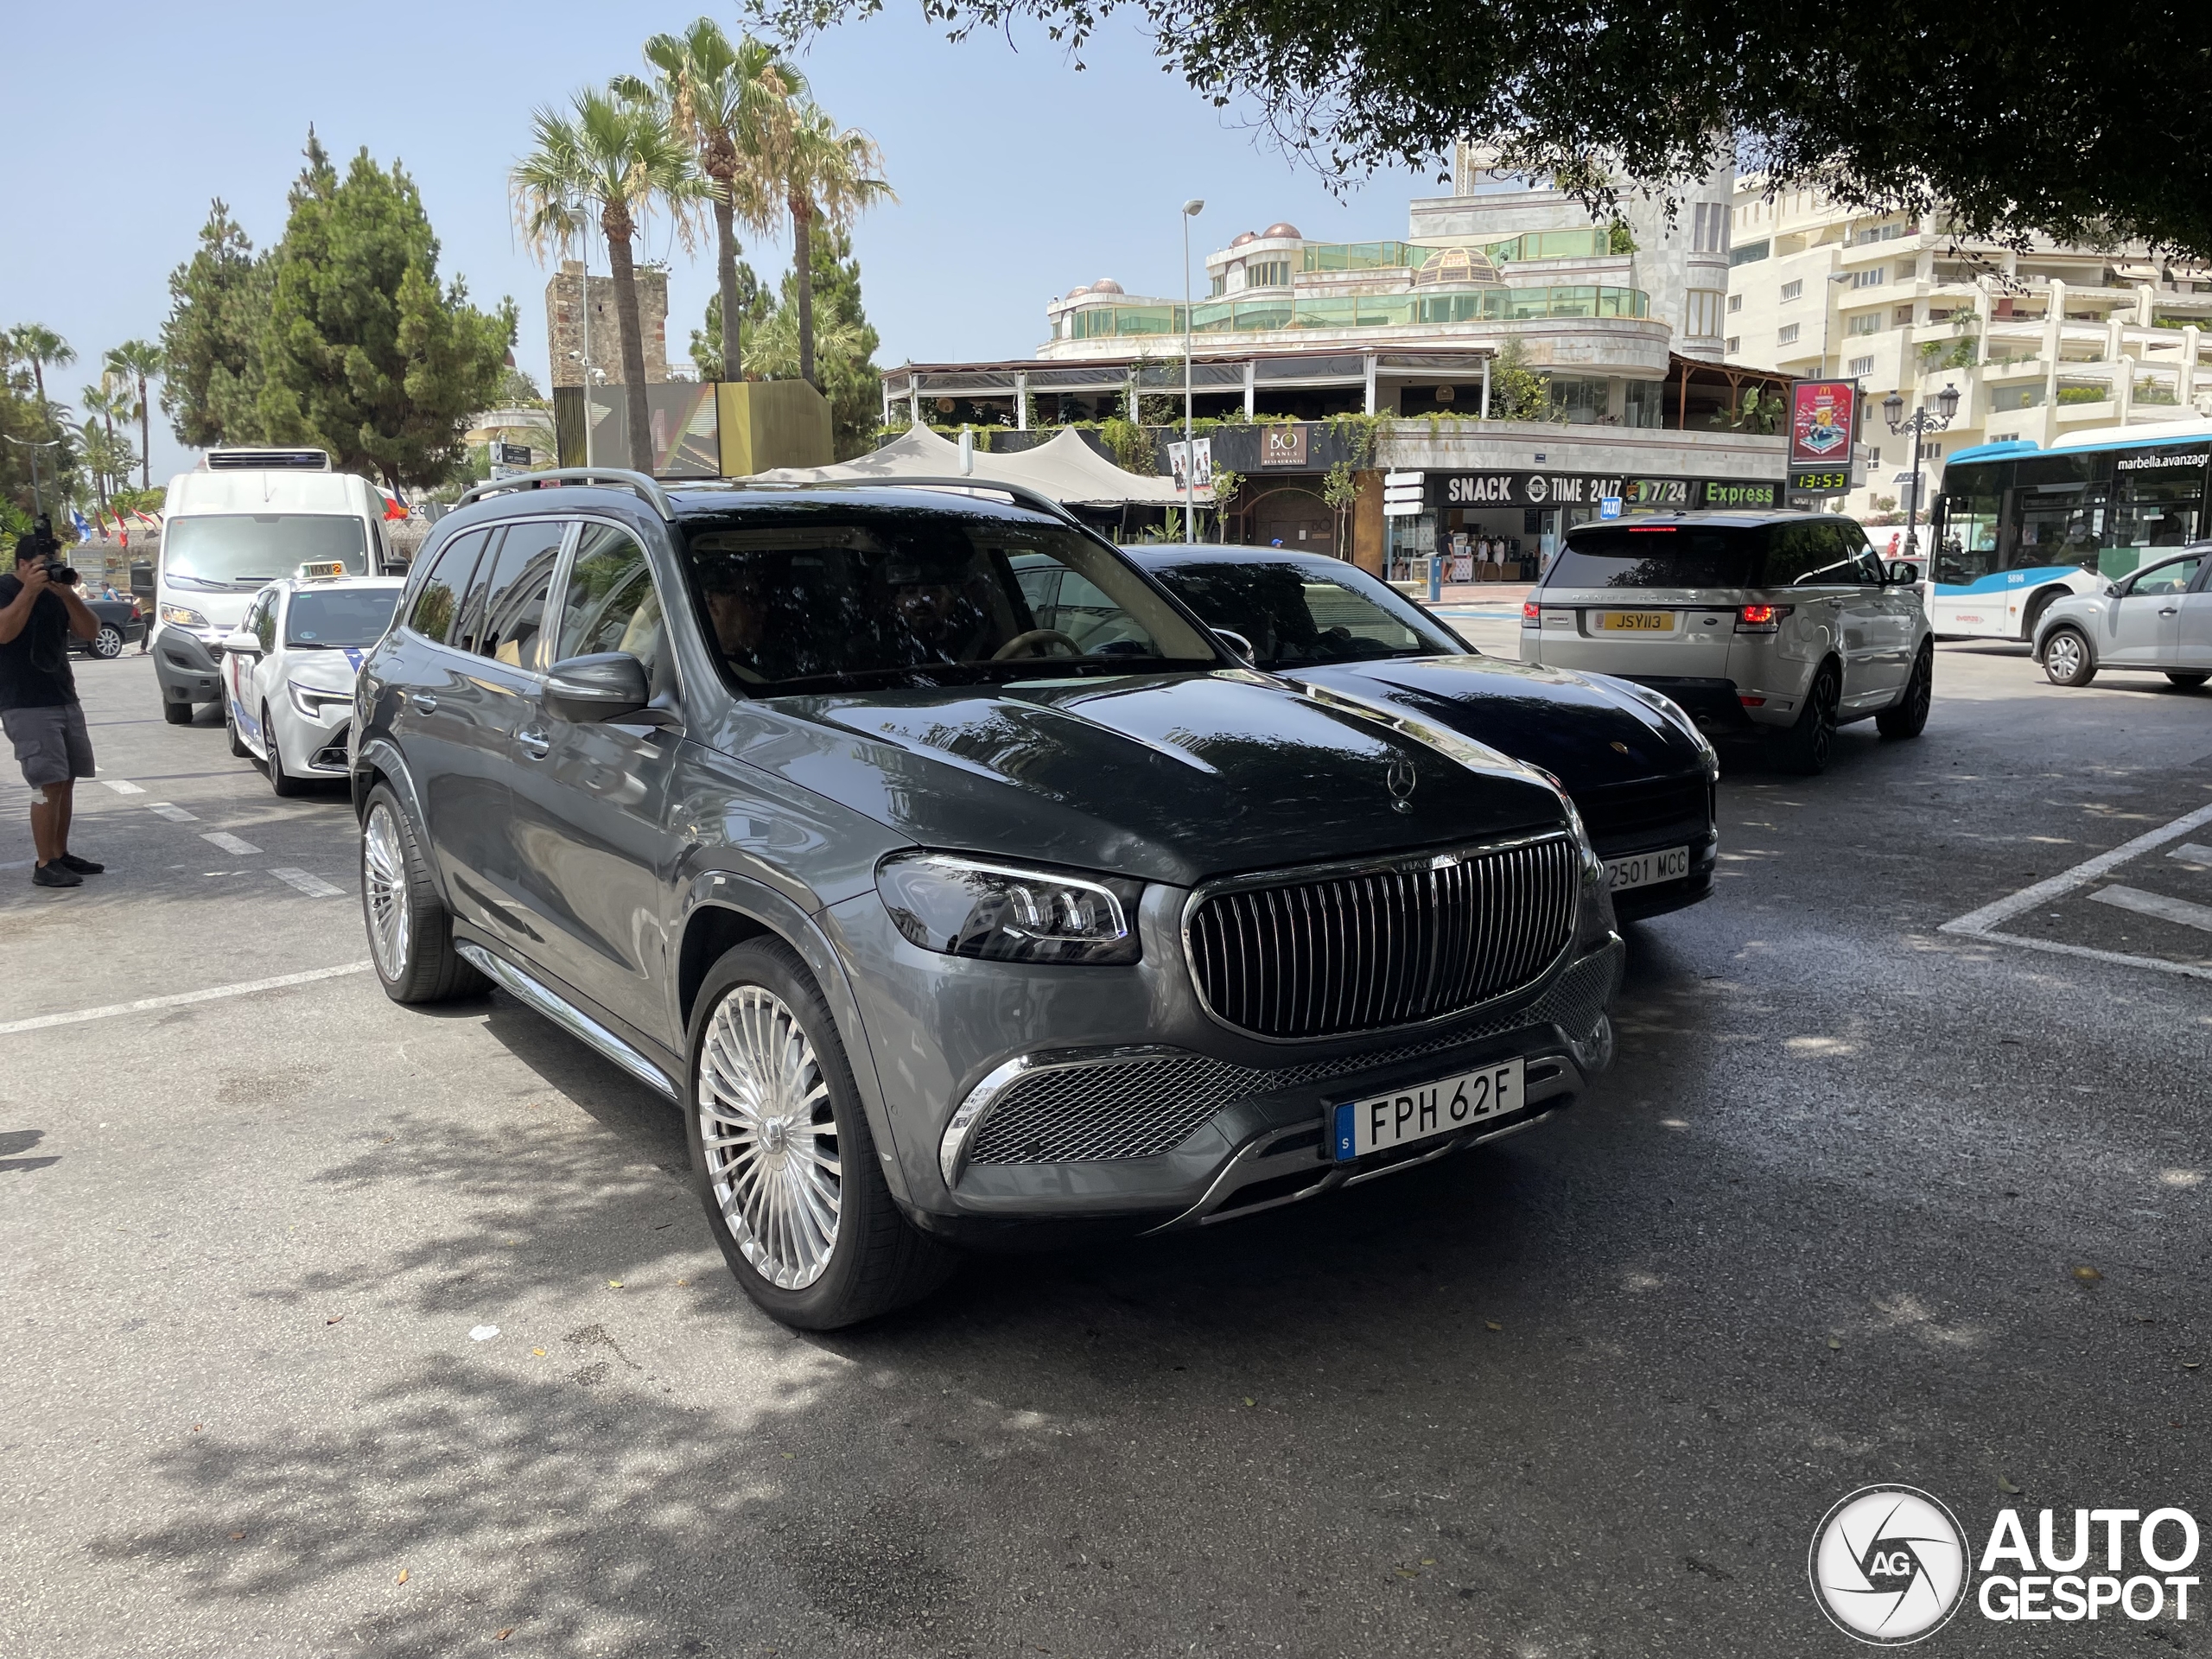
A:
<point x="770" y="1136"/>
<point x="384" y="890"/>
<point x="411" y="933"/>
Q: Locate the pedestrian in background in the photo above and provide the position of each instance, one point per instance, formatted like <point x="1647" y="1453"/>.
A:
<point x="40" y="608"/>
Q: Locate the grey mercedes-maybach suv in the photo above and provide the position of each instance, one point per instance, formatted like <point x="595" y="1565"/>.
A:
<point x="947" y="918"/>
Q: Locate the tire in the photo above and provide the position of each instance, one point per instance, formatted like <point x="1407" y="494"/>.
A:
<point x="2066" y="658"/>
<point x="2187" y="681"/>
<point x="1807" y="747"/>
<point x="1908" y="716"/>
<point x="107" y="643"/>
<point x="279" y="779"/>
<point x="230" y="733"/>
<point x="759" y="1001"/>
<point x="176" y="712"/>
<point x="411" y="933"/>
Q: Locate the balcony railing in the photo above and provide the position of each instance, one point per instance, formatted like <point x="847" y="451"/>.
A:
<point x="1429" y="308"/>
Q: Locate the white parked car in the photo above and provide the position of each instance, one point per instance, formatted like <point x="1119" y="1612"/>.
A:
<point x="2159" y="617"/>
<point x="289" y="672"/>
<point x="1774" y="624"/>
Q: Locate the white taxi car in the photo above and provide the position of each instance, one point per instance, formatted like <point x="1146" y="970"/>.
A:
<point x="289" y="672"/>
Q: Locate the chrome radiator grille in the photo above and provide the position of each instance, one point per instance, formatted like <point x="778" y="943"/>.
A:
<point x="1372" y="949"/>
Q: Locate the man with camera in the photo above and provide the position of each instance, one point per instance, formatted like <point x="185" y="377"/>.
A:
<point x="39" y="607"/>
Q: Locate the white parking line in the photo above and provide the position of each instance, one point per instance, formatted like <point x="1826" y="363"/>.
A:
<point x="2190" y="853"/>
<point x="314" y="886"/>
<point x="231" y="843"/>
<point x="173" y="814"/>
<point x="2003" y="909"/>
<point x="122" y="786"/>
<point x="145" y="1004"/>
<point x="2157" y="904"/>
<point x="1982" y="924"/>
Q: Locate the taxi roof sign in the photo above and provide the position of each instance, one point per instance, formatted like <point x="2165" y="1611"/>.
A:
<point x="322" y="569"/>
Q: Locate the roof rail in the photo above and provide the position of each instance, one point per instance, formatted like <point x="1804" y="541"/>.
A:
<point x="1021" y="494"/>
<point x="616" y="475"/>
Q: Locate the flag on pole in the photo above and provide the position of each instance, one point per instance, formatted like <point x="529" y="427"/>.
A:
<point x="393" y="506"/>
<point x="84" y="529"/>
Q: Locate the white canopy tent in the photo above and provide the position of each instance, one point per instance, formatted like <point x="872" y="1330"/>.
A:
<point x="1066" y="468"/>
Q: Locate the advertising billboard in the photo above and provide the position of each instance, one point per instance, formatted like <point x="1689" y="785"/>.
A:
<point x="1823" y="424"/>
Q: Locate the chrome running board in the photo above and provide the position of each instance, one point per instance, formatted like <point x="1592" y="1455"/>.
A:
<point x="566" y="1015"/>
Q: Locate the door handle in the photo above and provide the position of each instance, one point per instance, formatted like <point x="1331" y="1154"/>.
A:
<point x="534" y="743"/>
<point x="425" y="703"/>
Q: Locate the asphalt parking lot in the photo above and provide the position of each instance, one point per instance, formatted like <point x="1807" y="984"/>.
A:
<point x="334" y="1328"/>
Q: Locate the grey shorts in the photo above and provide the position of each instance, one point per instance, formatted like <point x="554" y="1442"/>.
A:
<point x="52" y="744"/>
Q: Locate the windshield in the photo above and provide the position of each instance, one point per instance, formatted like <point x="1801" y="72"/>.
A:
<point x="848" y="595"/>
<point x="243" y="551"/>
<point x="1659" y="557"/>
<point x="355" y="617"/>
<point x="1296" y="616"/>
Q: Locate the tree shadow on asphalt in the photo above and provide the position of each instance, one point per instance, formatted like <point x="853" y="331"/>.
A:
<point x="1373" y="1401"/>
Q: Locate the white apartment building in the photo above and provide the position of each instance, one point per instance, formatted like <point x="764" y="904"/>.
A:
<point x="2040" y="343"/>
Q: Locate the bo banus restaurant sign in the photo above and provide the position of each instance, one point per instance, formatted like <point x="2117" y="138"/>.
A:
<point x="1448" y="490"/>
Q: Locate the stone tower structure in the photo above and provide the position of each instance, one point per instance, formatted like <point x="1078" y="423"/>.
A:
<point x="565" y="295"/>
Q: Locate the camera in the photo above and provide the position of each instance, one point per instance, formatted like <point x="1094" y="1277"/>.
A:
<point x="42" y="540"/>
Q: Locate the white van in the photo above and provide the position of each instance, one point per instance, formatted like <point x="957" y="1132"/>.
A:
<point x="240" y="520"/>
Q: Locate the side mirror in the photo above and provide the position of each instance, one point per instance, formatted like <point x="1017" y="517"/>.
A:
<point x="1903" y="573"/>
<point x="1237" y="643"/>
<point x="606" y="685"/>
<point x="242" y="645"/>
<point x="2112" y="590"/>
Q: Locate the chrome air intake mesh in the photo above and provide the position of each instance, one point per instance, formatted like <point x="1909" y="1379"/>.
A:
<point x="1140" y="1108"/>
<point x="1366" y="949"/>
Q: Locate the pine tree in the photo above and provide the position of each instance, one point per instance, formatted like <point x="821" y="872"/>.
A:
<point x="366" y="354"/>
<point x="752" y="305"/>
<point x="212" y="341"/>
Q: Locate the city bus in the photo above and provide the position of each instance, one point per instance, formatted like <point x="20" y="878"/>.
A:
<point x="2018" y="526"/>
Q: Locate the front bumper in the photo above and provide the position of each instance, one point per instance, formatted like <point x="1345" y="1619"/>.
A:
<point x="185" y="666"/>
<point x="1107" y="1101"/>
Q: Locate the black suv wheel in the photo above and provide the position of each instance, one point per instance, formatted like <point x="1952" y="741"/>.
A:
<point x="411" y="933"/>
<point x="781" y="1153"/>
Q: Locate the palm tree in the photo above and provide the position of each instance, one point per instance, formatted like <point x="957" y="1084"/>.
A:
<point x="731" y="104"/>
<point x="137" y="359"/>
<point x="40" y="346"/>
<point x="102" y="402"/>
<point x="827" y="177"/>
<point x="612" y="157"/>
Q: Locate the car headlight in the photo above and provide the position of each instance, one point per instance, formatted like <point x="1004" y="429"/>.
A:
<point x="315" y="702"/>
<point x="1001" y="913"/>
<point x="179" y="616"/>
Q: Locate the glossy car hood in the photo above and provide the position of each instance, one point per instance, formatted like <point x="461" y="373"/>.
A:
<point x="1582" y="731"/>
<point x="334" y="669"/>
<point x="1173" y="778"/>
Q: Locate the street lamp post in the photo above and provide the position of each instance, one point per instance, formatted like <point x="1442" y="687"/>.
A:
<point x="1191" y="209"/>
<point x="38" y="494"/>
<point x="1920" y="424"/>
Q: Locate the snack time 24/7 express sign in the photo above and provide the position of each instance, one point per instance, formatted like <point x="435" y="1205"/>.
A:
<point x="1448" y="490"/>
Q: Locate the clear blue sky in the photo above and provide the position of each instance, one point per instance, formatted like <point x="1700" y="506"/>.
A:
<point x="1018" y="177"/>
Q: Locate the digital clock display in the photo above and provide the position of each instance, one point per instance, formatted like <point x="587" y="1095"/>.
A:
<point x="1832" y="481"/>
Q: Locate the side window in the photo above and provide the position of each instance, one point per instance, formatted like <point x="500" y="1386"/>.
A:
<point x="439" y="596"/>
<point x="1792" y="552"/>
<point x="611" y="604"/>
<point x="515" y="594"/>
<point x="469" y="621"/>
<point x="264" y="622"/>
<point x="2166" y="579"/>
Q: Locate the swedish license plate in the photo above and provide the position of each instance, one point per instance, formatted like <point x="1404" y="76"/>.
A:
<point x="1642" y="869"/>
<point x="1379" y="1122"/>
<point x="1636" y="621"/>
